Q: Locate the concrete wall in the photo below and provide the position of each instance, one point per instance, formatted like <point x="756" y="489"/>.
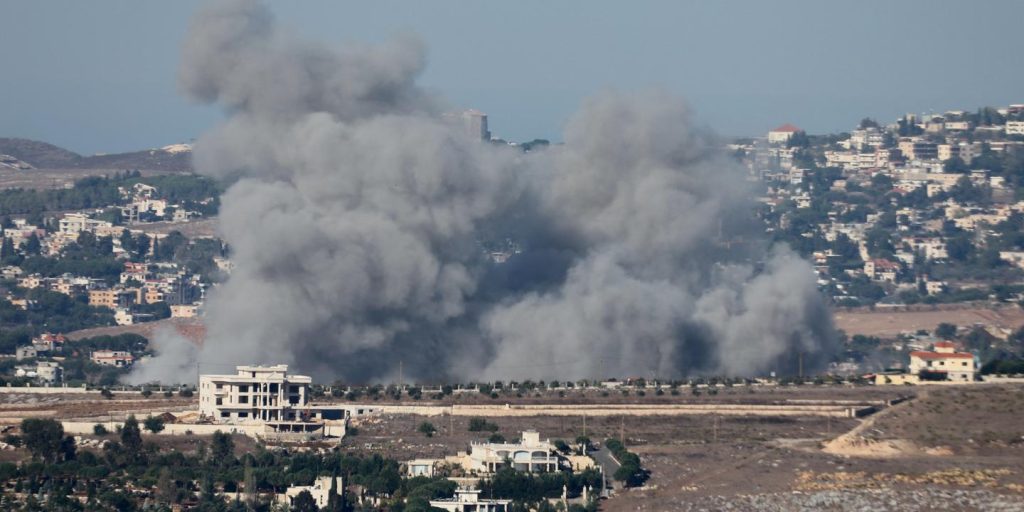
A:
<point x="170" y="429"/>
<point x="836" y="411"/>
<point x="46" y="390"/>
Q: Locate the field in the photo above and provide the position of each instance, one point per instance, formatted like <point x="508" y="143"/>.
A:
<point x="937" y="448"/>
<point x="55" y="178"/>
<point x="927" y="461"/>
<point x="889" y="323"/>
<point x="191" y="328"/>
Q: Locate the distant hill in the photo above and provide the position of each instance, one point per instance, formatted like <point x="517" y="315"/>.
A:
<point x="42" y="155"/>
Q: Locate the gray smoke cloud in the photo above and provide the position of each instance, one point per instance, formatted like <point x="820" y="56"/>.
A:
<point x="359" y="219"/>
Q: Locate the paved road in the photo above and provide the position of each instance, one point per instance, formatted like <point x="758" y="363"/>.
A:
<point x="608" y="463"/>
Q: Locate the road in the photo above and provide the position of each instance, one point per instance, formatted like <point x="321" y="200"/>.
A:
<point x="608" y="463"/>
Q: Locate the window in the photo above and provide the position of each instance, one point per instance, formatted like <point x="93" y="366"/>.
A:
<point x="273" y="388"/>
<point x="220" y="401"/>
<point x="243" y="388"/>
<point x="225" y="415"/>
<point x="243" y="399"/>
<point x="243" y="415"/>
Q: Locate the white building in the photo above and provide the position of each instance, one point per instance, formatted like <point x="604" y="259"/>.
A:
<point x="116" y="358"/>
<point x="124" y="316"/>
<point x="530" y="454"/>
<point x="49" y="371"/>
<point x="782" y="134"/>
<point x="468" y="500"/>
<point x="956" y="366"/>
<point x="74" y="223"/>
<point x="1015" y="127"/>
<point x="474" y="123"/>
<point x="260" y="393"/>
<point x="320" y="490"/>
<point x="420" y="467"/>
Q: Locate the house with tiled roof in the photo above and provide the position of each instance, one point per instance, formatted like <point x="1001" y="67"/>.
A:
<point x="782" y="134"/>
<point x="881" y="269"/>
<point x="943" y="362"/>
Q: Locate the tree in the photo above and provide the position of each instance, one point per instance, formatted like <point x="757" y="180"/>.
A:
<point x="99" y="429"/>
<point x="427" y="429"/>
<point x="153" y="424"/>
<point x="335" y="500"/>
<point x="955" y="165"/>
<point x="131" y="436"/>
<point x="8" y="254"/>
<point x="222" y="447"/>
<point x="959" y="247"/>
<point x="867" y="122"/>
<point x="945" y="331"/>
<point x="250" y="485"/>
<point x="304" y="502"/>
<point x="43" y="437"/>
<point x="166" y="487"/>
<point x="32" y="245"/>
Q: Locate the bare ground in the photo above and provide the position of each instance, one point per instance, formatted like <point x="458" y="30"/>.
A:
<point x="888" y="323"/>
<point x="56" y="178"/>
<point x="776" y="463"/>
<point x="191" y="328"/>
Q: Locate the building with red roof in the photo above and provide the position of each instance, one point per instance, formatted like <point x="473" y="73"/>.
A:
<point x="782" y="134"/>
<point x="943" y="362"/>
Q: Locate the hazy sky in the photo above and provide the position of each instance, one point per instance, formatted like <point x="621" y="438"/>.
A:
<point x="99" y="76"/>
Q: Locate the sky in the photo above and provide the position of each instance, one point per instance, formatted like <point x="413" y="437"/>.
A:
<point x="100" y="76"/>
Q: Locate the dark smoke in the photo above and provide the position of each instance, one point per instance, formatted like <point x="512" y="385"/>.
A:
<point x="358" y="221"/>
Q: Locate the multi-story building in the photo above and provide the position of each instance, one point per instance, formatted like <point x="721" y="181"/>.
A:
<point x="915" y="148"/>
<point x="530" y="454"/>
<point x="469" y="500"/>
<point x="118" y="358"/>
<point x="1015" y="127"/>
<point x="74" y="223"/>
<point x="782" y="134"/>
<point x="255" y="393"/>
<point x="474" y="123"/>
<point x="944" y="361"/>
<point x="49" y="371"/>
<point x="320" y="491"/>
<point x="112" y="298"/>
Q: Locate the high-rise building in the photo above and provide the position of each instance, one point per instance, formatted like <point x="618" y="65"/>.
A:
<point x="474" y="123"/>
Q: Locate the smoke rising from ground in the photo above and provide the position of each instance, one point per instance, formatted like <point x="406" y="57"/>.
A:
<point x="360" y="224"/>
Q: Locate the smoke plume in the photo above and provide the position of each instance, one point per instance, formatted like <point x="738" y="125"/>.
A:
<point x="362" y="226"/>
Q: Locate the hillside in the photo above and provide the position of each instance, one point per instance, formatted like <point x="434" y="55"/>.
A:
<point x="42" y="155"/>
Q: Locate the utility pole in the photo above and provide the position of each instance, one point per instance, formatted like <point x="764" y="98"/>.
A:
<point x="401" y="364"/>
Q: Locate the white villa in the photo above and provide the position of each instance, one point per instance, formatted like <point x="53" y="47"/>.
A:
<point x="468" y="500"/>
<point x="530" y="454"/>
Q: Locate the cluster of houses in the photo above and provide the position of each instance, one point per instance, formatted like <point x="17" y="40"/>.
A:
<point x="40" y="360"/>
<point x="929" y="154"/>
<point x="269" y="403"/>
<point x="140" y="207"/>
<point x="140" y="284"/>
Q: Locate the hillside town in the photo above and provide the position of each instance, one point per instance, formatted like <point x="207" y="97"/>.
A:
<point x="923" y="213"/>
<point x="927" y="209"/>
